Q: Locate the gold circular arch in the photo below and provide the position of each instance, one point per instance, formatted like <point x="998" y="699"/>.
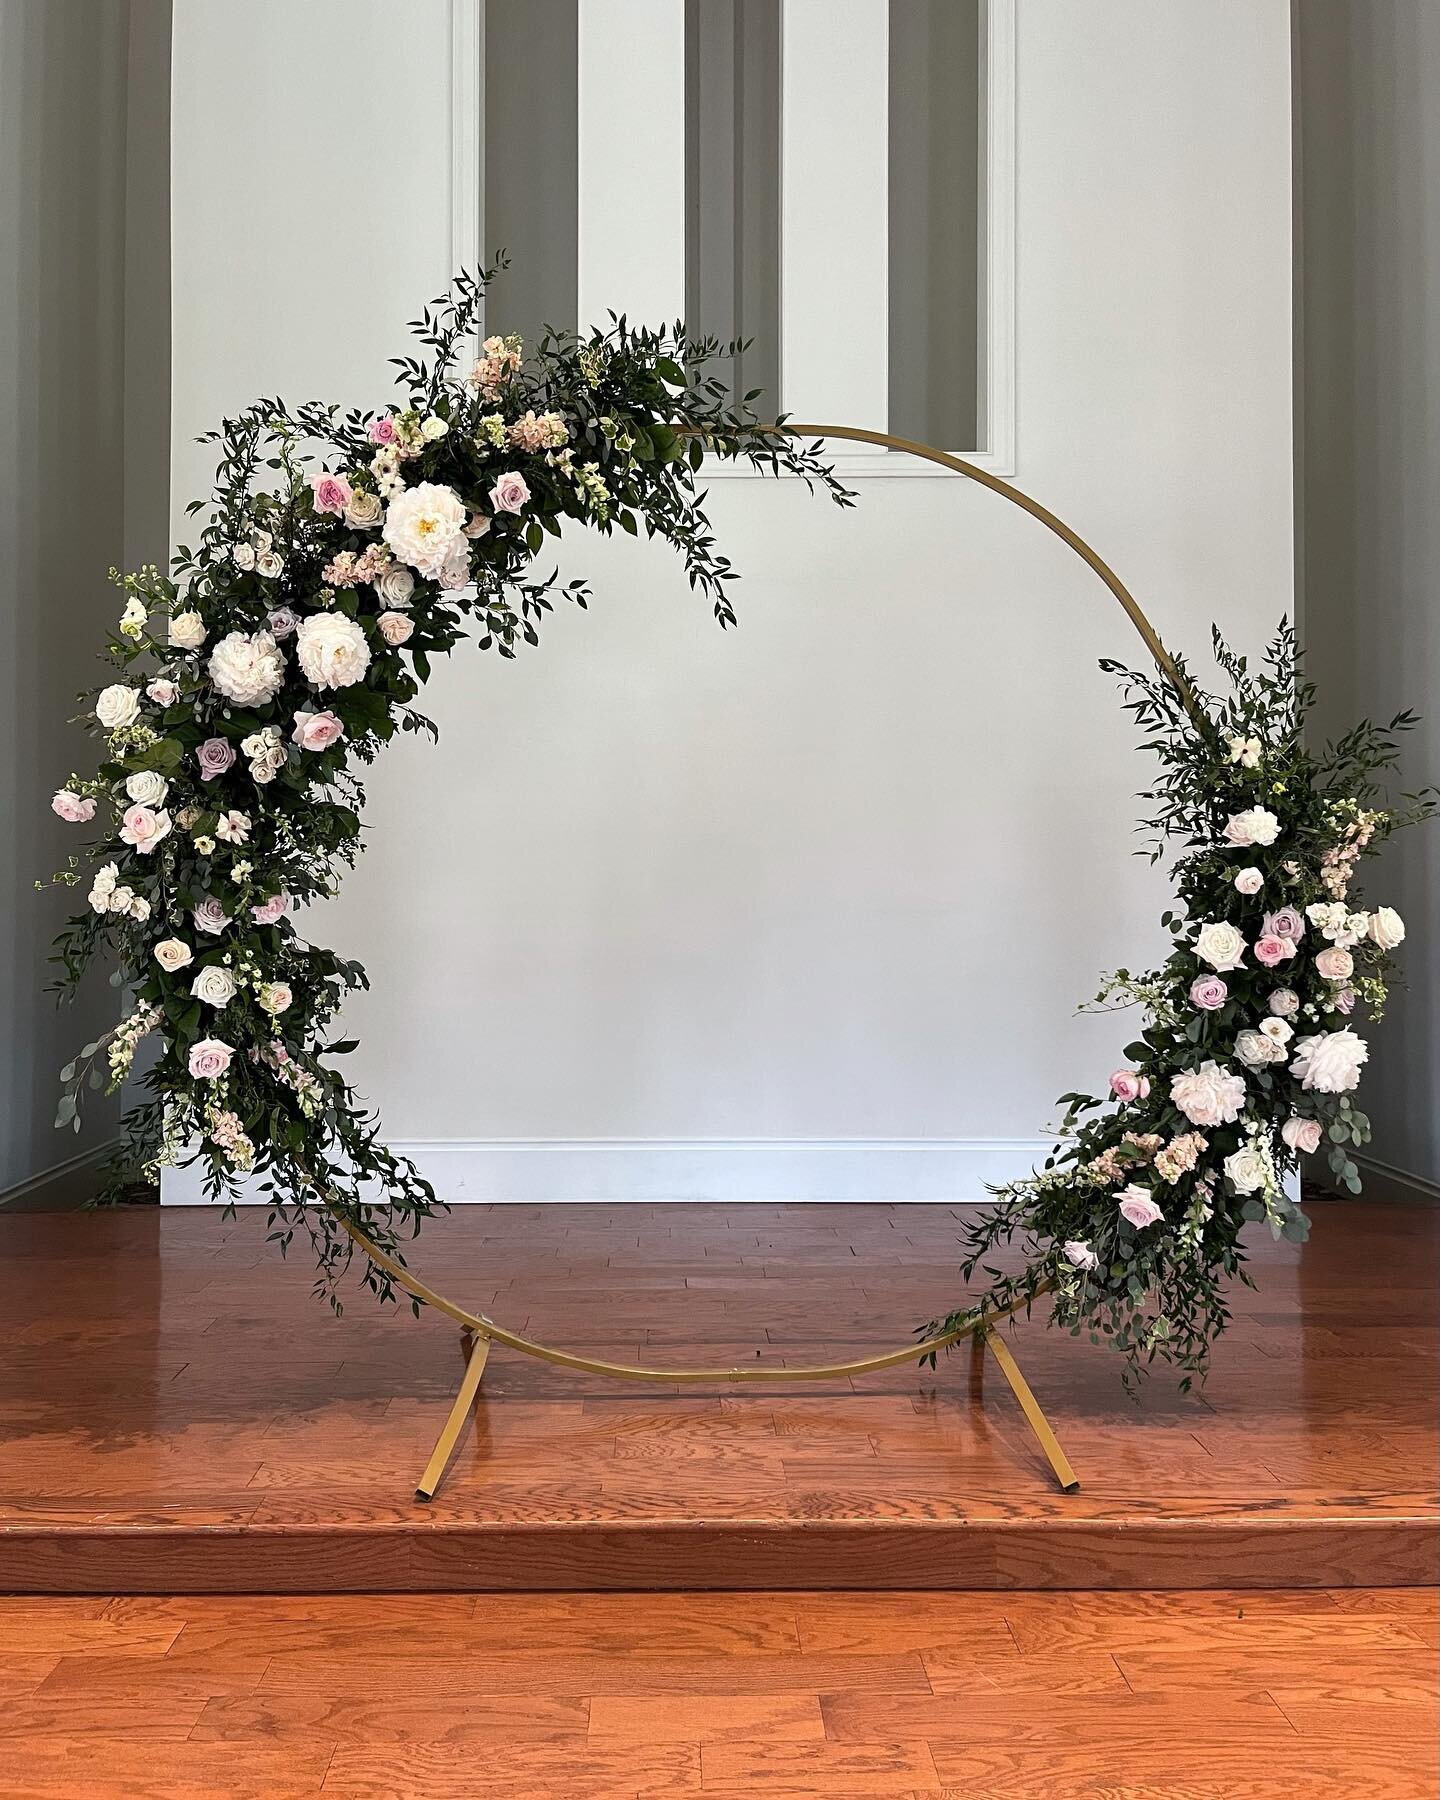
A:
<point x="981" y="1322"/>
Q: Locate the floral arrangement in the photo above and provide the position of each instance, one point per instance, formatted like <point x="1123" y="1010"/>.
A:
<point x="1248" y="1057"/>
<point x="337" y="557"/>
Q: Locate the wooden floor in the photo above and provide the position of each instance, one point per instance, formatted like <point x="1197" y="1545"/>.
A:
<point x="1113" y="1696"/>
<point x="178" y="1414"/>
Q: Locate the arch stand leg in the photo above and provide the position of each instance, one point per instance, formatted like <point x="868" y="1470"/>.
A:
<point x="477" y="1349"/>
<point x="1030" y="1406"/>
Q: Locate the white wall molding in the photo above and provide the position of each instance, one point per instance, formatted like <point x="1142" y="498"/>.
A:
<point x="63" y="1186"/>
<point x="735" y="1171"/>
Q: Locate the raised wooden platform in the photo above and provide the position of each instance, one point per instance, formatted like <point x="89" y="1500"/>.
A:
<point x="177" y="1414"/>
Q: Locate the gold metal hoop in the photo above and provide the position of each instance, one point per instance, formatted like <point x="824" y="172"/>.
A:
<point x="481" y="1330"/>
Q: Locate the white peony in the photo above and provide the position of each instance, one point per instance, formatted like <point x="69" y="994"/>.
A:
<point x="423" y="524"/>
<point x="1387" y="928"/>
<point x="396" y="587"/>
<point x="248" y="670"/>
<point x="1220" y="945"/>
<point x="187" y="631"/>
<point x="214" y="985"/>
<point x="147" y="787"/>
<point x="332" y="650"/>
<point x="1247" y="1170"/>
<point x="1330" y="1062"/>
<point x="1254" y="826"/>
<point x="1210" y="1095"/>
<point x="117" y="706"/>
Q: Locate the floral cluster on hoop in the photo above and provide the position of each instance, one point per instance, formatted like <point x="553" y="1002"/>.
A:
<point x="1248" y="1056"/>
<point x="285" y="649"/>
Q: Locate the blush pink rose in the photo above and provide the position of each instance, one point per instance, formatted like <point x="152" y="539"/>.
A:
<point x="1344" y="1000"/>
<point x="163" y="691"/>
<point x="282" y="622"/>
<point x="209" y="1059"/>
<point x="1208" y="992"/>
<point x="1335" y="964"/>
<point x="73" y="808"/>
<point x="1249" y="881"/>
<point x="316" y="731"/>
<point x="382" y="430"/>
<point x="215" y="756"/>
<point x="509" y="493"/>
<point x="1286" y="922"/>
<point x="270" y="910"/>
<point x="143" y="828"/>
<point x="1302" y="1135"/>
<point x="1272" y="951"/>
<point x="332" y="493"/>
<point x="1137" y="1206"/>
<point x="1126" y="1085"/>
<point x="395" y="627"/>
<point x="210" y="916"/>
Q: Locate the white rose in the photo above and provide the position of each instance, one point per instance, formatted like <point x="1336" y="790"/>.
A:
<point x="117" y="706"/>
<point x="396" y="587"/>
<point x="395" y="627"/>
<point x="248" y="670"/>
<point x="1220" y="945"/>
<point x="214" y="985"/>
<point x="120" y="900"/>
<point x="1254" y="826"/>
<point x="1280" y="1031"/>
<point x="1256" y="1048"/>
<point x="148" y="787"/>
<point x="1247" y="1171"/>
<point x="1210" y="1095"/>
<point x="268" y="564"/>
<point x="172" y="954"/>
<point x="332" y="649"/>
<point x="1302" y="1134"/>
<point x="243" y="556"/>
<point x="434" y="428"/>
<point x="140" y="908"/>
<point x="1329" y="1063"/>
<point x="1249" y="881"/>
<point x="274" y="996"/>
<point x="363" y="510"/>
<point x="423" y="523"/>
<point x="187" y="631"/>
<point x="1387" y="928"/>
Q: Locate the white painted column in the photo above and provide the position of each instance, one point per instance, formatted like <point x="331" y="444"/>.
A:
<point x="632" y="160"/>
<point x="834" y="203"/>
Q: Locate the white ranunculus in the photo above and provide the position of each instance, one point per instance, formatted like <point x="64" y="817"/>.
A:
<point x="248" y="670"/>
<point x="1246" y="1170"/>
<point x="148" y="787"/>
<point x="423" y="524"/>
<point x="1387" y="928"/>
<point x="172" y="954"/>
<point x="1220" y="945"/>
<point x="396" y="587"/>
<point x="1210" y="1095"/>
<point x="214" y="985"/>
<point x="1254" y="826"/>
<point x="332" y="649"/>
<point x="117" y="706"/>
<point x="1329" y="1063"/>
<point x="187" y="631"/>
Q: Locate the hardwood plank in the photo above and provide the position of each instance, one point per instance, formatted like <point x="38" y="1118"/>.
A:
<point x="668" y="1718"/>
<point x="523" y="1770"/>
<point x="763" y="1768"/>
<point x="399" y="1716"/>
<point x="95" y="1767"/>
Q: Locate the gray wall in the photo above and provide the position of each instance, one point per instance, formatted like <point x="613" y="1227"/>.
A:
<point x="84" y="393"/>
<point x="1368" y="451"/>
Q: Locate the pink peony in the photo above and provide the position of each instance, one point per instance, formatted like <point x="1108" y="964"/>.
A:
<point x="215" y="756"/>
<point x="1126" y="1085"/>
<point x="270" y="910"/>
<point x="1271" y="950"/>
<point x="73" y="808"/>
<point x="382" y="430"/>
<point x="163" y="691"/>
<point x="209" y="1059"/>
<point x="509" y="493"/>
<point x="1209" y="1095"/>
<point x="1137" y="1206"/>
<point x="1285" y="922"/>
<point x="316" y="731"/>
<point x="1208" y="992"/>
<point x="1302" y="1134"/>
<point x="332" y="493"/>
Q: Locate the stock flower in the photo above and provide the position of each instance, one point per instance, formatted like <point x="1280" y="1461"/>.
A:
<point x="248" y="670"/>
<point x="1138" y="1207"/>
<point x="423" y="524"/>
<point x="209" y="1059"/>
<point x="173" y="954"/>
<point x="1209" y="1095"/>
<point x="1302" y="1134"/>
<point x="316" y="730"/>
<point x="1220" y="945"/>
<point x="1246" y="1170"/>
<point x="1249" y="881"/>
<point x="117" y="706"/>
<point x="1253" y="826"/>
<point x="1387" y="928"/>
<point x="214" y="985"/>
<point x="332" y="650"/>
<point x="1329" y="1062"/>
<point x="73" y="808"/>
<point x="509" y="493"/>
<point x="143" y="828"/>
<point x="1209" y="992"/>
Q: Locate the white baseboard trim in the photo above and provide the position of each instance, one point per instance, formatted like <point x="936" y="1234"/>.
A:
<point x="740" y="1171"/>
<point x="68" y="1184"/>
